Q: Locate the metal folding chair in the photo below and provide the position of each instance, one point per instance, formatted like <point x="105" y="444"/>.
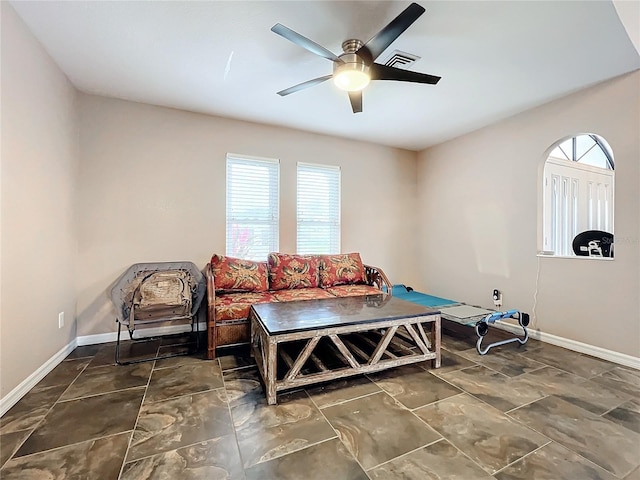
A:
<point x="134" y="311"/>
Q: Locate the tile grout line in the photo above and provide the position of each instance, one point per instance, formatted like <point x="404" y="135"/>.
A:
<point x="31" y="430"/>
<point x="565" y="446"/>
<point x="338" y="436"/>
<point x="506" y="412"/>
<point x="342" y="402"/>
<point x="615" y="408"/>
<point x="44" y="416"/>
<point x="135" y="425"/>
<point x="439" y="433"/>
<point x="562" y="444"/>
<point x="233" y="424"/>
<point x="464" y="392"/>
<point x="489" y="404"/>
<point x="56" y="402"/>
<point x="183" y="395"/>
<point x="72" y="444"/>
<point x="409" y="452"/>
<point x="542" y="365"/>
<point x="243" y="367"/>
<point x="84" y="397"/>
<point x="401" y="405"/>
<point x="464" y="454"/>
<point x="298" y="449"/>
<point x="183" y="446"/>
<point x="600" y="375"/>
<point x="523" y="457"/>
<point x="412" y="410"/>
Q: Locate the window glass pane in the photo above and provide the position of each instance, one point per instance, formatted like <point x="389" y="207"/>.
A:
<point x="596" y="158"/>
<point x="557" y="153"/>
<point x="252" y="207"/>
<point x="583" y="144"/>
<point x="567" y="148"/>
<point x="607" y="149"/>
<point x="318" y="209"/>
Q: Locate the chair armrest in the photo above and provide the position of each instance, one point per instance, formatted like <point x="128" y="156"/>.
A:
<point x="377" y="278"/>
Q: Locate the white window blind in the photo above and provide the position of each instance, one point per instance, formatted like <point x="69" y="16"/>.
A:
<point x="318" y="209"/>
<point x="252" y="207"/>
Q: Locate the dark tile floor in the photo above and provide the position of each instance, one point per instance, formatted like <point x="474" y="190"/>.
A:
<point x="532" y="412"/>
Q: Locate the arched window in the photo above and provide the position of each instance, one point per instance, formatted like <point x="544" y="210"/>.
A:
<point x="578" y="197"/>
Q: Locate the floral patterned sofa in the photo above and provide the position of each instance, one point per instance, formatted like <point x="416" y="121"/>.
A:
<point x="233" y="285"/>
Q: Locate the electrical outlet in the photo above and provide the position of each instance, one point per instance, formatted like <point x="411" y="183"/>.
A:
<point x="61" y="320"/>
<point x="497" y="298"/>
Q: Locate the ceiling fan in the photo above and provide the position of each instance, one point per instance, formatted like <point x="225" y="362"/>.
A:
<point x="356" y="67"/>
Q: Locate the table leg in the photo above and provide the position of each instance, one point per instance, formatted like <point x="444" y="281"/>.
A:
<point x="271" y="371"/>
<point x="253" y="332"/>
<point x="436" y="340"/>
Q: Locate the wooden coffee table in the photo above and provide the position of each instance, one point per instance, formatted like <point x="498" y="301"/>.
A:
<point x="311" y="341"/>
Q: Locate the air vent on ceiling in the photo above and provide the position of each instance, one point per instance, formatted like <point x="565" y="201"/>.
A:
<point x="400" y="59"/>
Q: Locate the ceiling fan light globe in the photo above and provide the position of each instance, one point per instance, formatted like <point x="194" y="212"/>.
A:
<point x="351" y="80"/>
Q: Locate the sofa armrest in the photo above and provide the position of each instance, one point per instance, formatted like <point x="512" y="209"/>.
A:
<point x="211" y="291"/>
<point x="376" y="277"/>
<point x="211" y="312"/>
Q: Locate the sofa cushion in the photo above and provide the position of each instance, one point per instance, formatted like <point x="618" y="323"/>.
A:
<point x="235" y="306"/>
<point x="292" y="271"/>
<point x="237" y="275"/>
<point x="341" y="269"/>
<point x="301" y="294"/>
<point x="353" y="290"/>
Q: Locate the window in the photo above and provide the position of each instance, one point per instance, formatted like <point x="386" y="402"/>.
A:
<point x="318" y="209"/>
<point x="252" y="207"/>
<point x="586" y="149"/>
<point x="577" y="195"/>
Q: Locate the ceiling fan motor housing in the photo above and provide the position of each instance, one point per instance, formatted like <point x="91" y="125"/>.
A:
<point x="352" y="73"/>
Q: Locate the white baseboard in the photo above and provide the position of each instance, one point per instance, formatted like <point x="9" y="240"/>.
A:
<point x="148" y="332"/>
<point x="10" y="399"/>
<point x="599" y="352"/>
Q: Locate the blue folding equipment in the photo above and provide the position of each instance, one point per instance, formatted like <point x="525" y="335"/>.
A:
<point x="469" y="315"/>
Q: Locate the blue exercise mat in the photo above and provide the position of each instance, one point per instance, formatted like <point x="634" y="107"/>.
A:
<point x="400" y="291"/>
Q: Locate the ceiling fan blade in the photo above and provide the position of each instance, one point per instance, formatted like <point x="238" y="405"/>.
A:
<point x="384" y="72"/>
<point x="356" y="101"/>
<point x="385" y="37"/>
<point x="303" y="85"/>
<point x="304" y="42"/>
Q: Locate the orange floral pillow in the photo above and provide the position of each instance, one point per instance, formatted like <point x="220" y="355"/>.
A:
<point x="341" y="269"/>
<point x="292" y="271"/>
<point x="237" y="275"/>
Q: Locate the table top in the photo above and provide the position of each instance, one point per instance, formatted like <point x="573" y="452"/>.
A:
<point x="298" y="316"/>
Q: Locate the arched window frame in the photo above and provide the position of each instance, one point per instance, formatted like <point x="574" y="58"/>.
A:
<point x="575" y="199"/>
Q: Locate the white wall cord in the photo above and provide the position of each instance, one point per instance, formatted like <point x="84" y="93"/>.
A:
<point x="534" y="316"/>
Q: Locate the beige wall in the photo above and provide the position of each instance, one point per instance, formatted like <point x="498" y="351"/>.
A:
<point x="478" y="203"/>
<point x="39" y="177"/>
<point x="146" y="183"/>
<point x="152" y="188"/>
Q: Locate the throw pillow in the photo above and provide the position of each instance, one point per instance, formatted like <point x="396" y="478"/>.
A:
<point x="292" y="271"/>
<point x="237" y="275"/>
<point x="341" y="269"/>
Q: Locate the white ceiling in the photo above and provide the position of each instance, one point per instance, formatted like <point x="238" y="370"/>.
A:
<point x="220" y="58"/>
